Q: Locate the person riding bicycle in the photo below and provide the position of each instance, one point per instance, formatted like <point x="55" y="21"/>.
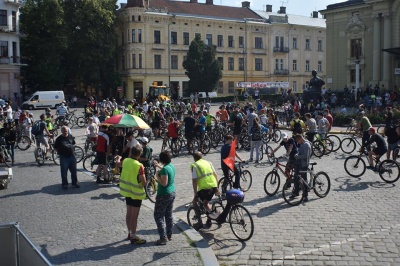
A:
<point x="190" y="123"/>
<point x="62" y="110"/>
<point x="173" y="129"/>
<point x="225" y="149"/>
<point x="323" y="125"/>
<point x="40" y="138"/>
<point x="205" y="184"/>
<point x="209" y="118"/>
<point x="381" y="147"/>
<point x="291" y="150"/>
<point x="311" y="125"/>
<point x="49" y="122"/>
<point x="364" y="125"/>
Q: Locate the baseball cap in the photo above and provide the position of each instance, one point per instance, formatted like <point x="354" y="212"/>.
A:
<point x="143" y="140"/>
<point x="372" y="129"/>
<point x="284" y="135"/>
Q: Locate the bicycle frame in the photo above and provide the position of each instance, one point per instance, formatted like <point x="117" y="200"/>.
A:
<point x="278" y="167"/>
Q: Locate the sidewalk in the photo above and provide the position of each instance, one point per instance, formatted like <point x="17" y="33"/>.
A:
<point x="84" y="226"/>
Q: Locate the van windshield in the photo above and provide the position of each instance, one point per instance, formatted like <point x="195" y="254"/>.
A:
<point x="35" y="98"/>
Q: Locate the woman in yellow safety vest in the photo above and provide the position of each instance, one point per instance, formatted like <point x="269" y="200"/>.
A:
<point x="132" y="185"/>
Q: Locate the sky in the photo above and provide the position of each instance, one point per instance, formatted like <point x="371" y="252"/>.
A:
<point x="296" y="7"/>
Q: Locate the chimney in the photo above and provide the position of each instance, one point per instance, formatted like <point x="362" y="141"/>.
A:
<point x="209" y="2"/>
<point x="282" y="10"/>
<point x="269" y="8"/>
<point x="193" y="1"/>
<point x="315" y="14"/>
<point x="246" y="4"/>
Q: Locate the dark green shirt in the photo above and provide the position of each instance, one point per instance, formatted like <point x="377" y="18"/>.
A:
<point x="147" y="153"/>
<point x="168" y="170"/>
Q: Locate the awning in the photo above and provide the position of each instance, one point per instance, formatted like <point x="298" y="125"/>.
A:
<point x="395" y="51"/>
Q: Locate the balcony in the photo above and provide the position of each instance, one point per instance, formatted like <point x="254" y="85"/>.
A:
<point x="281" y="50"/>
<point x="15" y="60"/>
<point x="11" y="29"/>
<point x="281" y="72"/>
<point x="17" y="3"/>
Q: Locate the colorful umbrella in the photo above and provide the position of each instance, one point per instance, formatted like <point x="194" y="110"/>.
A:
<point x="126" y="120"/>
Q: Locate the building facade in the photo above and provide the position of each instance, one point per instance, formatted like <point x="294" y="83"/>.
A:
<point x="252" y="46"/>
<point x="9" y="49"/>
<point x="363" y="44"/>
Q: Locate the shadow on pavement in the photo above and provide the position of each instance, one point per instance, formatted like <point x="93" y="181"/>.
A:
<point x="354" y="184"/>
<point x="268" y="210"/>
<point x="225" y="247"/>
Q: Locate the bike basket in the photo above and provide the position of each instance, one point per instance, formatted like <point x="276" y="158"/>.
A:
<point x="235" y="196"/>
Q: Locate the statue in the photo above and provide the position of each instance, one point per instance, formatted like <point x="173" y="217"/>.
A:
<point x="314" y="89"/>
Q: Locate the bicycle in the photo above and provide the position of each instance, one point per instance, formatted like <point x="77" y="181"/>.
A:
<point x="245" y="180"/>
<point x="4" y="156"/>
<point x="151" y="184"/>
<point x="239" y="217"/>
<point x="40" y="153"/>
<point x="319" y="182"/>
<point x="272" y="180"/>
<point x="321" y="146"/>
<point x="349" y="144"/>
<point x="389" y="170"/>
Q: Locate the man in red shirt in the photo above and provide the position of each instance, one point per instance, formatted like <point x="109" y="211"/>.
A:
<point x="173" y="127"/>
<point x="103" y="150"/>
<point x="329" y="117"/>
<point x="222" y="114"/>
<point x="193" y="107"/>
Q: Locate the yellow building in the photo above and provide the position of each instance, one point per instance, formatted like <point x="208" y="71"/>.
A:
<point x="363" y="35"/>
<point x="252" y="46"/>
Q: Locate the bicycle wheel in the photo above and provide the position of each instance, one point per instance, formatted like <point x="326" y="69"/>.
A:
<point x="318" y="149"/>
<point x="193" y="146"/>
<point x="241" y="222"/>
<point x="289" y="193"/>
<point x="245" y="180"/>
<point x="225" y="184"/>
<point x="4" y="157"/>
<point x="151" y="190"/>
<point x="336" y="142"/>
<point x="321" y="184"/>
<point x="88" y="163"/>
<point x="192" y="217"/>
<point x="79" y="154"/>
<point x="217" y="207"/>
<point x="328" y="147"/>
<point x="268" y="150"/>
<point x="39" y="156"/>
<point x="354" y="166"/>
<point x="389" y="171"/>
<point x="348" y="145"/>
<point x="206" y="146"/>
<point x="245" y="141"/>
<point x="175" y="148"/>
<point x="23" y="143"/>
<point x="272" y="182"/>
<point x="55" y="157"/>
<point x="80" y="121"/>
<point x="214" y="136"/>
<point x="277" y="136"/>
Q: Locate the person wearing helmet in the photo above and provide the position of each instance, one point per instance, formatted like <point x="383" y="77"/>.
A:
<point x="376" y="153"/>
<point x="147" y="153"/>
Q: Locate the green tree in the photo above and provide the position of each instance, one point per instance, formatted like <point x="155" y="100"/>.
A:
<point x="202" y="68"/>
<point x="42" y="22"/>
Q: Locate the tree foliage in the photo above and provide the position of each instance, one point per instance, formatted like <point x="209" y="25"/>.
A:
<point x="70" y="41"/>
<point x="202" y="68"/>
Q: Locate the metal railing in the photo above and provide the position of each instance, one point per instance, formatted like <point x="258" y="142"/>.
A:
<point x="281" y="49"/>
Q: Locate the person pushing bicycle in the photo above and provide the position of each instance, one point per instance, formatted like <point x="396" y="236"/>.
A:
<point x="291" y="150"/>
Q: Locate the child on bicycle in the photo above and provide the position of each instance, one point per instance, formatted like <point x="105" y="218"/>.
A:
<point x="225" y="150"/>
<point x="291" y="150"/>
<point x="147" y="154"/>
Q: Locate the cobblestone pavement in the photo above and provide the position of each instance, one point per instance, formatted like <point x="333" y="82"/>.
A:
<point x="356" y="224"/>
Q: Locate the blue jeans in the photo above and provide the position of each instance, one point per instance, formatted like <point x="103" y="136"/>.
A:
<point x="68" y="163"/>
<point x="255" y="144"/>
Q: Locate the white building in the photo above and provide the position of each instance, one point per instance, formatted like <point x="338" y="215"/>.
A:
<point x="9" y="49"/>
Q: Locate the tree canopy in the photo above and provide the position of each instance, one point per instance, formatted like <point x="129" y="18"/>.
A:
<point x="202" y="68"/>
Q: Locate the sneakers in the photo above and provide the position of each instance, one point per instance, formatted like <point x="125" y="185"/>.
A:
<point x="138" y="240"/>
<point x="76" y="185"/>
<point x="161" y="241"/>
<point x="197" y="226"/>
<point x="129" y="237"/>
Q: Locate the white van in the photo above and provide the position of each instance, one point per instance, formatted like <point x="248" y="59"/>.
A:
<point x="44" y="99"/>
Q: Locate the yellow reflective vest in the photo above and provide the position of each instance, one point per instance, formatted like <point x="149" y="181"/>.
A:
<point x="205" y="174"/>
<point x="129" y="185"/>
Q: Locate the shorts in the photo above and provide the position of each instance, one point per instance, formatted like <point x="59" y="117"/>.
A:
<point x="206" y="194"/>
<point x="155" y="125"/>
<point x="41" y="140"/>
<point x="101" y="158"/>
<point x="379" y="151"/>
<point x="393" y="146"/>
<point x="133" y="202"/>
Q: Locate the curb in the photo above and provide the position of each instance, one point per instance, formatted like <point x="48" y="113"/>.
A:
<point x="206" y="253"/>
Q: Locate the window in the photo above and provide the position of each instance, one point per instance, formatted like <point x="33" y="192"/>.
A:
<point x="281" y="64"/>
<point x="221" y="62"/>
<point x="231" y="87"/>
<point x="157" y="36"/>
<point x="123" y="62"/>
<point x="208" y="39"/>
<point x="241" y="42"/>
<point x="258" y="64"/>
<point x="258" y="43"/>
<point x="276" y="63"/>
<point x="140" y="61"/>
<point x="241" y="64"/>
<point x="186" y="38"/>
<point x="133" y="17"/>
<point x="319" y="65"/>
<point x="319" y="45"/>
<point x="133" y="61"/>
<point x="220" y="40"/>
<point x="220" y="87"/>
<point x="279" y="41"/>
<point x="353" y="75"/>
<point x="157" y="61"/>
<point x="294" y="65"/>
<point x="174" y="37"/>
<point x="184" y="58"/>
<point x="307" y="65"/>
<point x="174" y="62"/>
<point x="307" y="44"/>
<point x="230" y="41"/>
<point x="356" y="45"/>
<point x="294" y="43"/>
<point x="231" y="63"/>
<point x="294" y="86"/>
<point x="3" y="17"/>
<point x="3" y="48"/>
<point x="122" y="38"/>
<point x="133" y="35"/>
<point x="139" y="35"/>
<point x="139" y="18"/>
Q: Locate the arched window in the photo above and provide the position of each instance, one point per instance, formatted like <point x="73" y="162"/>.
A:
<point x="139" y="18"/>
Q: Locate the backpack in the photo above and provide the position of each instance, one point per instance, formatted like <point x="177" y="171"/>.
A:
<point x="297" y="129"/>
<point x="255" y="133"/>
<point x="36" y="128"/>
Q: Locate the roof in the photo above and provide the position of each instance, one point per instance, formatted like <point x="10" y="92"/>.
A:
<point x="345" y="4"/>
<point x="201" y="9"/>
<point x="296" y="19"/>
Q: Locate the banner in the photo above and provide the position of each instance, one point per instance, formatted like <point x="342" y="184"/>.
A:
<point x="262" y="85"/>
<point x="230" y="160"/>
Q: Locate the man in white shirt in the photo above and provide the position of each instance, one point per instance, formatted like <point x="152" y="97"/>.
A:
<point x="131" y="141"/>
<point x="9" y="113"/>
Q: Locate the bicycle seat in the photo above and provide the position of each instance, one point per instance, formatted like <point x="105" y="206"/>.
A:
<point x="314" y="163"/>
